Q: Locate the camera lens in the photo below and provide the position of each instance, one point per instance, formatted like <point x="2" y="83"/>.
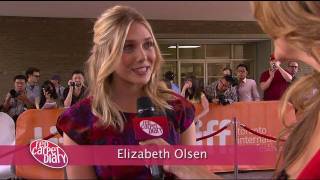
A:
<point x="223" y="100"/>
<point x="13" y="93"/>
<point x="72" y="83"/>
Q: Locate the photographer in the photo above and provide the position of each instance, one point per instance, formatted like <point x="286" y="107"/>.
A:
<point x="16" y="100"/>
<point x="274" y="81"/>
<point x="221" y="91"/>
<point x="48" y="96"/>
<point x="76" y="89"/>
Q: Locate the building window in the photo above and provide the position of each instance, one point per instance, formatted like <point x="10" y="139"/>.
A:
<point x="218" y="51"/>
<point x="168" y="53"/>
<point x="206" y="61"/>
<point x="191" y="51"/>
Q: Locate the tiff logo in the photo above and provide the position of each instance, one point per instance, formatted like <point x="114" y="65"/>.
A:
<point x="213" y="126"/>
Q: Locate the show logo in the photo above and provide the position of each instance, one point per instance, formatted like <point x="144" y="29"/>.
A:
<point x="152" y="128"/>
<point x="48" y="153"/>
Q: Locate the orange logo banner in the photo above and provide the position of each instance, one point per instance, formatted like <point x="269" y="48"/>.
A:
<point x="262" y="117"/>
<point x="36" y="124"/>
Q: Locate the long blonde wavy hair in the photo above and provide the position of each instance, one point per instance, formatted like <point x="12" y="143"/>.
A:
<point x="299" y="23"/>
<point x="110" y="32"/>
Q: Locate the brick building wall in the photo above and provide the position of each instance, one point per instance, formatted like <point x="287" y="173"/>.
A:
<point x="61" y="45"/>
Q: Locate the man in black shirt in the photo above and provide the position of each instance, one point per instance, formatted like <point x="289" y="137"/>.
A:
<point x="76" y="89"/>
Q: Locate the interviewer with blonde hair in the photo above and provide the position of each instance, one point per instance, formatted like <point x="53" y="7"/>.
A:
<point x="295" y="28"/>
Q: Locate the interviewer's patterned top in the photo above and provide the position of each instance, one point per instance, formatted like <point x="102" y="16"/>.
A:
<point x="80" y="125"/>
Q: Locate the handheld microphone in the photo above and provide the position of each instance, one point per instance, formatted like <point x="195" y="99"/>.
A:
<point x="149" y="125"/>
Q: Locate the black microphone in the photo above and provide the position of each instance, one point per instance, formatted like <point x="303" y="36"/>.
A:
<point x="149" y="125"/>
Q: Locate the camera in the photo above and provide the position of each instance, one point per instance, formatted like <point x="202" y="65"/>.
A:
<point x="232" y="80"/>
<point x="72" y="84"/>
<point x="169" y="76"/>
<point x="14" y="93"/>
<point x="273" y="67"/>
<point x="235" y="82"/>
<point x="223" y="100"/>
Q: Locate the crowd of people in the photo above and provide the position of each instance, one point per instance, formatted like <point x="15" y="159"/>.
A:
<point x="237" y="88"/>
<point x="27" y="93"/>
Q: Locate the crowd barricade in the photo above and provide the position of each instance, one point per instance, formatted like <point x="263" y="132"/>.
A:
<point x="254" y="118"/>
<point x="38" y="124"/>
<point x="255" y="123"/>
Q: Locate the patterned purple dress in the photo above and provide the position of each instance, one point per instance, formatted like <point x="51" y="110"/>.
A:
<point x="80" y="125"/>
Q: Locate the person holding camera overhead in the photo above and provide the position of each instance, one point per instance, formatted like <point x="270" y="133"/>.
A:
<point x="76" y="89"/>
<point x="16" y="101"/>
<point x="274" y="81"/>
<point x="221" y="91"/>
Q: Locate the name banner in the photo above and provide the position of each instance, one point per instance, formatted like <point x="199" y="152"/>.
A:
<point x="54" y="156"/>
